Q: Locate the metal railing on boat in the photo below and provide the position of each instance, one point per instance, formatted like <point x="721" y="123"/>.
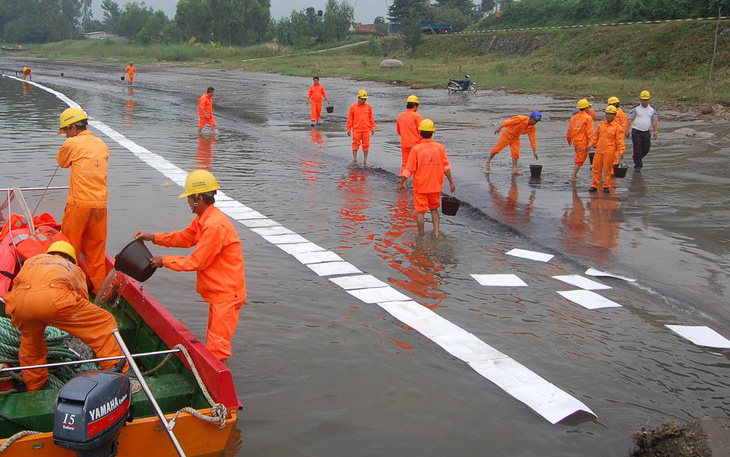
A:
<point x="81" y="362"/>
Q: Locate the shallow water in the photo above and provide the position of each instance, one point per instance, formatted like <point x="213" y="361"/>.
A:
<point x="321" y="373"/>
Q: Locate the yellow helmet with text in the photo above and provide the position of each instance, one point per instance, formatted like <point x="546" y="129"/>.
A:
<point x="645" y="95"/>
<point x="362" y="94"/>
<point x="413" y="99"/>
<point x="199" y="182"/>
<point x="427" y="125"/>
<point x="63" y="247"/>
<point x="71" y="116"/>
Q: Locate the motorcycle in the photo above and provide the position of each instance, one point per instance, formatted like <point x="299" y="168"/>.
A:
<point x="460" y="85"/>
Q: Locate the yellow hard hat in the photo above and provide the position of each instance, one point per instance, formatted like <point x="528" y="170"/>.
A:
<point x="62" y="247"/>
<point x="612" y="100"/>
<point x="645" y="95"/>
<point x="427" y="125"/>
<point x="199" y="182"/>
<point x="583" y="103"/>
<point x="362" y="94"/>
<point x="71" y="116"/>
<point x="610" y="109"/>
<point x="413" y="99"/>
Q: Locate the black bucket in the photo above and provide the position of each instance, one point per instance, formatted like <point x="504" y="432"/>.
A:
<point x="590" y="157"/>
<point x="535" y="171"/>
<point x="134" y="261"/>
<point x="620" y="169"/>
<point x="122" y="78"/>
<point x="330" y="109"/>
<point x="450" y="205"/>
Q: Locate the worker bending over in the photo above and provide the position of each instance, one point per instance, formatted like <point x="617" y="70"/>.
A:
<point x="513" y="128"/>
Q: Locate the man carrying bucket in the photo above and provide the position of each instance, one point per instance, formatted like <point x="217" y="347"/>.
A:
<point x="513" y="128"/>
<point x="50" y="289"/>
<point x="407" y="127"/>
<point x="205" y="110"/>
<point x="217" y="258"/>
<point x="428" y="164"/>
<point x="85" y="216"/>
<point x="580" y="130"/>
<point x="608" y="141"/>
<point x="314" y="97"/>
<point x="131" y="71"/>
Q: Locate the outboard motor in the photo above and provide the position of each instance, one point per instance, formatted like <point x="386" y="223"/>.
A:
<point x="91" y="410"/>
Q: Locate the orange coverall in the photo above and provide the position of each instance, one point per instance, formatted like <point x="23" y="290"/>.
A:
<point x="205" y="107"/>
<point x="513" y="128"/>
<point x="609" y="141"/>
<point x="131" y="70"/>
<point x="218" y="260"/>
<point x="26" y="72"/>
<point x="50" y="290"/>
<point x="360" y="122"/>
<point x="407" y="127"/>
<point x="427" y="164"/>
<point x="85" y="216"/>
<point x="623" y="121"/>
<point x="315" y="94"/>
<point x="580" y="131"/>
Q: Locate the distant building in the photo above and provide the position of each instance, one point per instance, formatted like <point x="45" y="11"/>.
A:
<point x="366" y="30"/>
<point x="103" y="36"/>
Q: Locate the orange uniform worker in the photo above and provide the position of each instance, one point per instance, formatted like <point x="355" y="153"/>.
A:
<point x="407" y="127"/>
<point x="205" y="110"/>
<point x="131" y="71"/>
<point x="314" y="99"/>
<point x="428" y="164"/>
<point x="621" y="118"/>
<point x="85" y="217"/>
<point x="580" y="131"/>
<point x="26" y="72"/>
<point x="217" y="258"/>
<point x="608" y="141"/>
<point x="50" y="289"/>
<point x="360" y="125"/>
<point x="513" y="128"/>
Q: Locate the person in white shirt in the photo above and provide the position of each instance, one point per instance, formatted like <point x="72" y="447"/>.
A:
<point x="642" y="119"/>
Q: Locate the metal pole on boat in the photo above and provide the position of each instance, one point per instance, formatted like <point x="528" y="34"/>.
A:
<point x="81" y="362"/>
<point x="148" y="393"/>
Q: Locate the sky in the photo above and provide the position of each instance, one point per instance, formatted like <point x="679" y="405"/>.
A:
<point x="365" y="10"/>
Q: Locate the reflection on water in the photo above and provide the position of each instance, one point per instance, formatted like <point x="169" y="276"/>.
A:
<point x="204" y="158"/>
<point x="129" y="105"/>
<point x="605" y="222"/>
<point x="509" y="210"/>
<point x="356" y="196"/>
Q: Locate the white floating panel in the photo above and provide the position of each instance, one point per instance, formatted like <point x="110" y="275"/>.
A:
<point x="378" y="294"/>
<point x="358" y="282"/>
<point x="300" y="248"/>
<point x="257" y="222"/>
<point x="594" y="272"/>
<point x="531" y="255"/>
<point x="273" y="230"/>
<point x="588" y="299"/>
<point x="316" y="257"/>
<point x="285" y="239"/>
<point x="500" y="280"/>
<point x="331" y="268"/>
<point x="583" y="283"/>
<point x="701" y="336"/>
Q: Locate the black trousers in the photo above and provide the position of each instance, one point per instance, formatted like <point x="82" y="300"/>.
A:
<point x="642" y="143"/>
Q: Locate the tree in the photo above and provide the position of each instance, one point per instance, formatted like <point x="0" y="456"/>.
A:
<point x="402" y="10"/>
<point x="337" y="20"/>
<point x="111" y="15"/>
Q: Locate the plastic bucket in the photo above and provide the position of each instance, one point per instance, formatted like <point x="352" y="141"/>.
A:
<point x="330" y="109"/>
<point x="134" y="261"/>
<point x="450" y="205"/>
<point x="620" y="169"/>
<point x="122" y="78"/>
<point x="590" y="157"/>
<point x="535" y="171"/>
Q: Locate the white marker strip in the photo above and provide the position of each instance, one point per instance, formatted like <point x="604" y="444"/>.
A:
<point x="273" y="230"/>
<point x="546" y="399"/>
<point x="701" y="336"/>
<point x="583" y="283"/>
<point x="594" y="272"/>
<point x="334" y="268"/>
<point x="285" y="239"/>
<point x="358" y="282"/>
<point x="500" y="280"/>
<point x="257" y="222"/>
<point x="300" y="248"/>
<point x="588" y="299"/>
<point x="531" y="255"/>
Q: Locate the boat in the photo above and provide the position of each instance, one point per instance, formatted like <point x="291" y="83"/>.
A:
<point x="194" y="390"/>
<point x="15" y="49"/>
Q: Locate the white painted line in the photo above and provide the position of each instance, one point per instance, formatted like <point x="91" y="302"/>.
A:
<point x="701" y="336"/>
<point x="583" y="283"/>
<point x="300" y="248"/>
<point x="272" y="230"/>
<point x="285" y="239"/>
<point x="594" y="272"/>
<point x="531" y="255"/>
<point x="588" y="299"/>
<point x="517" y="380"/>
<point x="333" y="268"/>
<point x="500" y="280"/>
<point x="358" y="282"/>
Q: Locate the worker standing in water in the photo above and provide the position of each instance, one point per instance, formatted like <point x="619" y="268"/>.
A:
<point x="85" y="217"/>
<point x="50" y="289"/>
<point x="580" y="131"/>
<point x="407" y="127"/>
<point x="621" y="118"/>
<point x="131" y="71"/>
<point x="314" y="99"/>
<point x="642" y="119"/>
<point x="608" y="141"/>
<point x="26" y="72"/>
<point x="513" y="128"/>
<point x="205" y="110"/>
<point x="217" y="259"/>
<point x="428" y="164"/>
<point x="360" y="125"/>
